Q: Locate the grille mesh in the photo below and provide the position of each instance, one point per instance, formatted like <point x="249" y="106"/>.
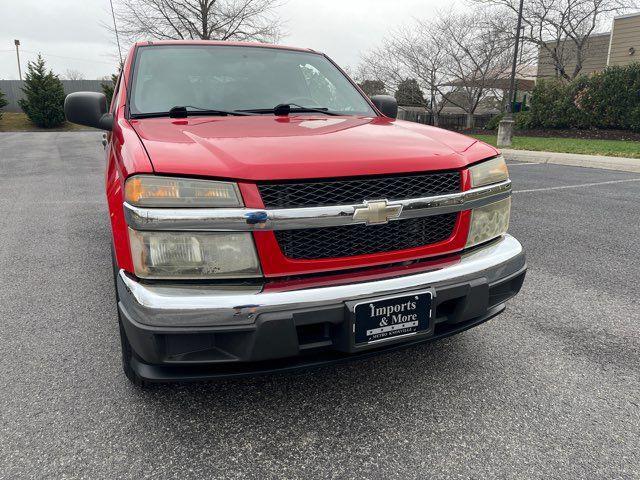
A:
<point x="346" y="241"/>
<point x="355" y="191"/>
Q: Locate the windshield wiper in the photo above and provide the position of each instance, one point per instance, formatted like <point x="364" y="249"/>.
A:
<point x="184" y="112"/>
<point x="284" y="109"/>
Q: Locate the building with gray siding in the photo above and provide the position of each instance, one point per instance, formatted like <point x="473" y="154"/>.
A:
<point x="620" y="46"/>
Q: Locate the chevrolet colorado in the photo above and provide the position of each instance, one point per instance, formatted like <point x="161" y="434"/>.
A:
<point x="266" y="215"/>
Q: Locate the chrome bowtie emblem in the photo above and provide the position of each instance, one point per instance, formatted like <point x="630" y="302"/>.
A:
<point x="377" y="212"/>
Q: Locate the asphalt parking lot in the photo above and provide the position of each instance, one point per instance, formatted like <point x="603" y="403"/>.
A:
<point x="549" y="389"/>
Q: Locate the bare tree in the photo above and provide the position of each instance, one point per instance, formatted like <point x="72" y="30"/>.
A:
<point x="71" y="74"/>
<point x="455" y="58"/>
<point x="381" y="67"/>
<point x="562" y="28"/>
<point x="412" y="52"/>
<point x="477" y="56"/>
<point x="422" y="52"/>
<point x="242" y="20"/>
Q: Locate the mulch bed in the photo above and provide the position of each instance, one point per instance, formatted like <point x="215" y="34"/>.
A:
<point x="586" y="134"/>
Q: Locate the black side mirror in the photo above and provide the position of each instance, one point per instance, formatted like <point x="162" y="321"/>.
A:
<point x="88" y="108"/>
<point x="387" y="104"/>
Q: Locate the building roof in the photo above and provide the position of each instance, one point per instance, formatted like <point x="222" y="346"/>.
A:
<point x="503" y="82"/>
<point x="412" y="108"/>
<point x="628" y="15"/>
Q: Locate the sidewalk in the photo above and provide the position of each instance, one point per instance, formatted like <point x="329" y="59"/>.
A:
<point x="574" y="159"/>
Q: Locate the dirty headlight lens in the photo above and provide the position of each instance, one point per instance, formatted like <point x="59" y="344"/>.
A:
<point x="153" y="191"/>
<point x="491" y="171"/>
<point x="489" y="222"/>
<point x="185" y="255"/>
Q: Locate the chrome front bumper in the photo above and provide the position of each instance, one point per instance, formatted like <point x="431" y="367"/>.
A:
<point x="205" y="306"/>
<point x="190" y="332"/>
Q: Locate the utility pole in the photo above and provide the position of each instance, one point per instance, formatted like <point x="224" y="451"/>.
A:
<point x="17" y="43"/>
<point x="505" y="129"/>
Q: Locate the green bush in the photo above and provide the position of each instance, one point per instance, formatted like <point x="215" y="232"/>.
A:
<point x="634" y="119"/>
<point x="613" y="97"/>
<point x="609" y="99"/>
<point x="523" y="120"/>
<point x="553" y="105"/>
<point x="108" y="86"/>
<point x="44" y="96"/>
<point x="494" y="122"/>
<point x="3" y="102"/>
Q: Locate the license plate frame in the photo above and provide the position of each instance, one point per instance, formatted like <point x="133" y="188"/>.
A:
<point x="369" y="329"/>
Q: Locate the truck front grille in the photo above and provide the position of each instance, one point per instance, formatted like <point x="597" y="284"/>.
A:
<point x="346" y="241"/>
<point x="355" y="191"/>
<point x="351" y="240"/>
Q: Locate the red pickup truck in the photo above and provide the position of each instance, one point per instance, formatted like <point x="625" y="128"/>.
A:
<point x="267" y="215"/>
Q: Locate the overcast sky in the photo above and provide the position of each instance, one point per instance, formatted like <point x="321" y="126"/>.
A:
<point x="70" y="33"/>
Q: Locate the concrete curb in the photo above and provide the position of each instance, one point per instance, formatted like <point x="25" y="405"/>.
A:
<point x="575" y="160"/>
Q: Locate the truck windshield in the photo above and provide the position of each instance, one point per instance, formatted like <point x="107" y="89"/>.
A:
<point x="235" y="78"/>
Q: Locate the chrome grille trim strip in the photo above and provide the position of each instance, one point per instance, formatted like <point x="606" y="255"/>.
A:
<point x="248" y="219"/>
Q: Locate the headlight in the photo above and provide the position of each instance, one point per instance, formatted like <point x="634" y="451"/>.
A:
<point x="491" y="171"/>
<point x="185" y="255"/>
<point x="489" y="222"/>
<point x="152" y="191"/>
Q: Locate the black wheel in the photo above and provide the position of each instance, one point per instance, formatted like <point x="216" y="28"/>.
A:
<point x="125" y="346"/>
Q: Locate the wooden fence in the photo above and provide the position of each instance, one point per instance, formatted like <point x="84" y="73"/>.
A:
<point x="448" y="121"/>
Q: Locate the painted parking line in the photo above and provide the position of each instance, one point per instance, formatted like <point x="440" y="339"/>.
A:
<point x="56" y="202"/>
<point x="582" y="185"/>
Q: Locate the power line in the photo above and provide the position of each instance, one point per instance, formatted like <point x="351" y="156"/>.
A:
<point x="69" y="58"/>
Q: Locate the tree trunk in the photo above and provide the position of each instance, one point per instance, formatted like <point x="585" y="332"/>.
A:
<point x="435" y="113"/>
<point x="470" y="121"/>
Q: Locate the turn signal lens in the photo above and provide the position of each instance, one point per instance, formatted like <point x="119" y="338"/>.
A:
<point x="488" y="172"/>
<point x="489" y="222"/>
<point x="193" y="256"/>
<point x="152" y="191"/>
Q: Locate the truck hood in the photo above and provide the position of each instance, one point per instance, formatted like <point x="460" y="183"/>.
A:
<point x="310" y="146"/>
